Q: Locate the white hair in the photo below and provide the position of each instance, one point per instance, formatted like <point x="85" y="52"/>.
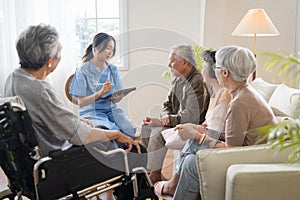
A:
<point x="36" y="45"/>
<point x="239" y="61"/>
<point x="185" y="51"/>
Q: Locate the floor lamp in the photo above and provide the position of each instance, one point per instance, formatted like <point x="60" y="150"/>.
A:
<point x="255" y="23"/>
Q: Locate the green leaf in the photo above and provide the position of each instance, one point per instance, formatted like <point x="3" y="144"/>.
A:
<point x="166" y="74"/>
<point x="288" y="66"/>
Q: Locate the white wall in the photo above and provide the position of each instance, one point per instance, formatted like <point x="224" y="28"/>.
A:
<point x="156" y="25"/>
<point x="297" y="23"/>
<point x="222" y="19"/>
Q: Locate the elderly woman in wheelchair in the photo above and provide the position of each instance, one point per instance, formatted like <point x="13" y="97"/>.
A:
<point x="89" y="156"/>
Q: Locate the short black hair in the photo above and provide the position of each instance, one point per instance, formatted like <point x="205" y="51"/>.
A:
<point x="209" y="57"/>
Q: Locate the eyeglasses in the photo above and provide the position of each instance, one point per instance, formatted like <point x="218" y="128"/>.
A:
<point x="218" y="66"/>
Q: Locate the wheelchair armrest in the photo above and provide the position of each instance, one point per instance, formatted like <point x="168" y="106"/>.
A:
<point x="111" y="152"/>
<point x="36" y="172"/>
<point x="36" y="168"/>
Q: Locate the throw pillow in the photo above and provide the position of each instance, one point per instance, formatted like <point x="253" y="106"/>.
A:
<point x="264" y="88"/>
<point x="283" y="101"/>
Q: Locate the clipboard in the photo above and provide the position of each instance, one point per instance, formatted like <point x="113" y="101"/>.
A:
<point x="119" y="92"/>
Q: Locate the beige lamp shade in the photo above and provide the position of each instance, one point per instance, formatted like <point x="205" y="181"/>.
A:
<point x="255" y="22"/>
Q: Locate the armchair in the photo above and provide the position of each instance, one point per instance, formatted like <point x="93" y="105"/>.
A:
<point x="67" y="90"/>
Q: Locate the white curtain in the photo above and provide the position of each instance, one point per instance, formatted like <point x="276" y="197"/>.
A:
<point x="8" y="56"/>
<point x="17" y="15"/>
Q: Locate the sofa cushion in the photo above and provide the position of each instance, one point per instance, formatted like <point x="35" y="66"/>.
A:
<point x="283" y="101"/>
<point x="264" y="88"/>
<point x="276" y="182"/>
<point x="212" y="165"/>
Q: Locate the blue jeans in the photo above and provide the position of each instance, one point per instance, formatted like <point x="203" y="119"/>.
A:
<point x="191" y="147"/>
<point x="188" y="184"/>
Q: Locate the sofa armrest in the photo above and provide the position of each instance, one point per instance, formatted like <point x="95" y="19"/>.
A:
<point x="263" y="181"/>
<point x="212" y="165"/>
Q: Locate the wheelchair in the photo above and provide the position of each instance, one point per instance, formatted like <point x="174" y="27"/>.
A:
<point x="80" y="172"/>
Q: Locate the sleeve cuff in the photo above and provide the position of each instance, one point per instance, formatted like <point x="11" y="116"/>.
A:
<point x="82" y="134"/>
<point x="174" y="120"/>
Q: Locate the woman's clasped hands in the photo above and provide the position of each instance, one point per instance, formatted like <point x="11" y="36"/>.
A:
<point x="191" y="131"/>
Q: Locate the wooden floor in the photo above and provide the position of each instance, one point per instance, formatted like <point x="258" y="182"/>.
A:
<point x="167" y="172"/>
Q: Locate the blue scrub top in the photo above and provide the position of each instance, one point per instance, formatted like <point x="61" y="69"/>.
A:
<point x="88" y="79"/>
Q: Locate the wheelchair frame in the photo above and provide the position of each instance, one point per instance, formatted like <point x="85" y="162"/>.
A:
<point x="42" y="166"/>
<point x="94" y="189"/>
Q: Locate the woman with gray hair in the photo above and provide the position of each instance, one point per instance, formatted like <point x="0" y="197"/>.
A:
<point x="233" y="66"/>
<point x="238" y="58"/>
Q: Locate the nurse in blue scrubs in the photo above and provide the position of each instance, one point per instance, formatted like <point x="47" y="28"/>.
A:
<point x="95" y="80"/>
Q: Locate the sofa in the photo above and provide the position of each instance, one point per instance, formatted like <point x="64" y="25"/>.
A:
<point x="253" y="172"/>
<point x="280" y="97"/>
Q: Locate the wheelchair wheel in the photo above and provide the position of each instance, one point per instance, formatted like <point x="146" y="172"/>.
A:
<point x="7" y="195"/>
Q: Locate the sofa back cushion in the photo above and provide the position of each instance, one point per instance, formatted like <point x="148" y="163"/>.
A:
<point x="213" y="164"/>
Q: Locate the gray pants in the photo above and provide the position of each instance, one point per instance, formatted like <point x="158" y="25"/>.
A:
<point x="152" y="139"/>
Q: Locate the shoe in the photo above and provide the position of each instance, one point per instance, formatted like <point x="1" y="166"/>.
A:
<point x="158" y="189"/>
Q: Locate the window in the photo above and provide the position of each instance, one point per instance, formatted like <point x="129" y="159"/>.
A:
<point x="96" y="16"/>
<point x="77" y="22"/>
